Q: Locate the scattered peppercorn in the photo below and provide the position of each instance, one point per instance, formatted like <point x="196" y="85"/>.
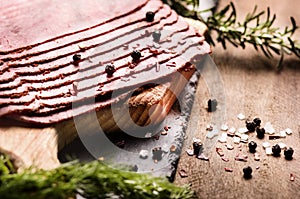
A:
<point x="276" y="150"/>
<point x="257" y="121"/>
<point x="136" y="55"/>
<point x="134" y="168"/>
<point x="76" y="57"/>
<point x="110" y="69"/>
<point x="260" y="133"/>
<point x="197" y="147"/>
<point x="247" y="172"/>
<point x="288" y="153"/>
<point x="250" y="126"/>
<point x="150" y="16"/>
<point x="156" y="35"/>
<point x="157" y="153"/>
<point x="252" y="146"/>
<point x="212" y="105"/>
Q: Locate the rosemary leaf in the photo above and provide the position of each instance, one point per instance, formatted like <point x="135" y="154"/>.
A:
<point x="256" y="29"/>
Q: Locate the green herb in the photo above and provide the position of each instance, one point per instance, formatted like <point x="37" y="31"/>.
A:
<point x="257" y="29"/>
<point x="91" y="180"/>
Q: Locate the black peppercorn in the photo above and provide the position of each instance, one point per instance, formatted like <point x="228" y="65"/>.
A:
<point x="157" y="153"/>
<point x="247" y="172"/>
<point x="150" y="16"/>
<point x="276" y="150"/>
<point x="250" y="126"/>
<point x="212" y="105"/>
<point x="257" y="121"/>
<point x="136" y="55"/>
<point x="252" y="146"/>
<point x="110" y="69"/>
<point x="156" y="35"/>
<point x="76" y="57"/>
<point x="288" y="153"/>
<point x="135" y="168"/>
<point x="197" y="147"/>
<point x="260" y="133"/>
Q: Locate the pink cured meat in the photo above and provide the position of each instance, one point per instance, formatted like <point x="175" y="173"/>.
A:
<point x="39" y="81"/>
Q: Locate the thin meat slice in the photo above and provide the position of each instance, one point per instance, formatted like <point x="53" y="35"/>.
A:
<point x="40" y="82"/>
<point x="38" y="21"/>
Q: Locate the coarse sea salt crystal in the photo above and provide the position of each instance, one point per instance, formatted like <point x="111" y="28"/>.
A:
<point x="144" y="154"/>
<point x="229" y="146"/>
<point x="231" y="131"/>
<point x="288" y="131"/>
<point x="209" y="127"/>
<point x="282" y="145"/>
<point x="256" y="156"/>
<point x="212" y="134"/>
<point x="223" y="138"/>
<point x="269" y="128"/>
<point x="243" y="130"/>
<point x="241" y="116"/>
<point x="197" y="140"/>
<point x="282" y="134"/>
<point x="244" y="138"/>
<point x="190" y="152"/>
<point x="269" y="151"/>
<point x="266" y="145"/>
<point x="165" y="148"/>
<point x="236" y="140"/>
<point x="224" y="127"/>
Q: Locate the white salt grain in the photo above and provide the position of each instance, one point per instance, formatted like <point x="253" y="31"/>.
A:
<point x="244" y="138"/>
<point x="236" y="140"/>
<point x="144" y="154"/>
<point x="256" y="157"/>
<point x="243" y="130"/>
<point x="269" y="151"/>
<point x="282" y="145"/>
<point x="190" y="152"/>
<point x="229" y="146"/>
<point x="212" y="134"/>
<point x="224" y="127"/>
<point x="197" y="140"/>
<point x="266" y="145"/>
<point x="165" y="148"/>
<point x="209" y="127"/>
<point x="241" y="116"/>
<point x="282" y="134"/>
<point x="231" y="130"/>
<point x="288" y="131"/>
<point x="223" y="138"/>
<point x="269" y="128"/>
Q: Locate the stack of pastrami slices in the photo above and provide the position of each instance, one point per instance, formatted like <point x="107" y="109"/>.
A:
<point x="54" y="58"/>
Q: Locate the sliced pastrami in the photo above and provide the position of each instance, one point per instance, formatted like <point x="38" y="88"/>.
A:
<point x="56" y="19"/>
<point x="40" y="83"/>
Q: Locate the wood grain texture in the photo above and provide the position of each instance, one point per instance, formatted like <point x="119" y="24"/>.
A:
<point x="254" y="87"/>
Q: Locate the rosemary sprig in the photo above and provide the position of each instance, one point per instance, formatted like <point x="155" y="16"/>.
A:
<point x="91" y="180"/>
<point x="257" y="29"/>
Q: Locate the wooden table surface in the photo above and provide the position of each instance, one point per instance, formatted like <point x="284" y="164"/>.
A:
<point x="250" y="84"/>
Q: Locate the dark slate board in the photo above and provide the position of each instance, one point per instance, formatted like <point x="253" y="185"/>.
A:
<point x="177" y="120"/>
